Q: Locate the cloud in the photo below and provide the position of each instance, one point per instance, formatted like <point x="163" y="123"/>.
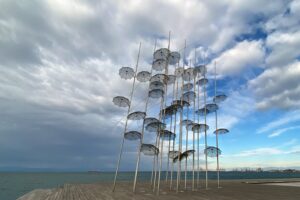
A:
<point x="280" y="131"/>
<point x="278" y="87"/>
<point x="259" y="152"/>
<point x="289" y="117"/>
<point x="243" y="55"/>
<point x="59" y="64"/>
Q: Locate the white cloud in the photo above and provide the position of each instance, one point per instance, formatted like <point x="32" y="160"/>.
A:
<point x="284" y="46"/>
<point x="289" y="117"/>
<point x="244" y="54"/>
<point x="278" y="87"/>
<point x="259" y="152"/>
<point x="280" y="131"/>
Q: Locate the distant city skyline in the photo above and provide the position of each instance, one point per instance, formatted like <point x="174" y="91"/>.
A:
<point x="59" y="63"/>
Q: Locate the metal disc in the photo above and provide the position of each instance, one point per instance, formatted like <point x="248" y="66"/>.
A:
<point x="149" y="149"/>
<point x="121" y="101"/>
<point x="200" y="127"/>
<point x="156" y="85"/>
<point x="202" y="81"/>
<point x="202" y="111"/>
<point x="221" y="131"/>
<point x="166" y="135"/>
<point x="179" y="71"/>
<point x="189" y="74"/>
<point x="155" y="126"/>
<point x="132" y="135"/>
<point x="212" y="107"/>
<point x="149" y="120"/>
<point x="189" y="96"/>
<point x="171" y="79"/>
<point x="126" y="73"/>
<point x="187" y="87"/>
<point x="174" y="58"/>
<point x="143" y="76"/>
<point x="138" y="115"/>
<point x="156" y="93"/>
<point x="162" y="53"/>
<point x="159" y="64"/>
<point x="219" y="98"/>
<point x="211" y="151"/>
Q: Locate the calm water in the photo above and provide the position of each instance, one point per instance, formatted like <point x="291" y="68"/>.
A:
<point x="14" y="185"/>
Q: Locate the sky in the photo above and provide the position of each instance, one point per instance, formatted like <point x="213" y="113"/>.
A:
<point x="59" y="64"/>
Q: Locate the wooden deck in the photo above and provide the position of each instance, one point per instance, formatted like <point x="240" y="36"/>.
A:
<point x="231" y="190"/>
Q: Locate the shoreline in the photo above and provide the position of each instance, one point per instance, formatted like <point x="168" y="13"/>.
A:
<point x="254" y="189"/>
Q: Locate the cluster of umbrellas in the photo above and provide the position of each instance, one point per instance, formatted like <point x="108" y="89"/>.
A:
<point x="187" y="97"/>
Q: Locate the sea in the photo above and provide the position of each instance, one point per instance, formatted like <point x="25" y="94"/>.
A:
<point x="16" y="184"/>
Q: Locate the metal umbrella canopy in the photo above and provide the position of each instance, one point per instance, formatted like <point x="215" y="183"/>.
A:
<point x="137" y="115"/>
<point x="169" y="111"/>
<point x="186" y="122"/>
<point x="202" y="111"/>
<point x="221" y="131"/>
<point x="173" y="154"/>
<point x="162" y="53"/>
<point x="160" y="77"/>
<point x="171" y="79"/>
<point x="132" y="135"/>
<point x="220" y="98"/>
<point x="156" y="85"/>
<point x="211" y="107"/>
<point x="174" y="58"/>
<point x="156" y="93"/>
<point x="126" y="73"/>
<point x="201" y="69"/>
<point x="202" y="81"/>
<point x="159" y="64"/>
<point x="212" y="152"/>
<point x="149" y="120"/>
<point x="189" y="96"/>
<point x="200" y="127"/>
<point x="179" y="71"/>
<point x="155" y="126"/>
<point x="187" y="87"/>
<point x="189" y="74"/>
<point x="143" y="76"/>
<point x="166" y="135"/>
<point x="182" y="103"/>
<point x="149" y="149"/>
<point x="184" y="155"/>
<point x="121" y="101"/>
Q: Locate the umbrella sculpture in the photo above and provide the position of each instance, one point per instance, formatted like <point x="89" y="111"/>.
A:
<point x="188" y="85"/>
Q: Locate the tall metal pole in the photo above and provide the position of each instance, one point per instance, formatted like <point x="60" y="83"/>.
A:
<point x="175" y="125"/>
<point x="206" y="175"/>
<point x="198" y="132"/>
<point x="194" y="119"/>
<point x="142" y="134"/>
<point x="157" y="145"/>
<point x="217" y="135"/>
<point x="126" y="121"/>
<point x="169" y="148"/>
<point x="164" y="115"/>
<point x="180" y="131"/>
<point x="186" y="142"/>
